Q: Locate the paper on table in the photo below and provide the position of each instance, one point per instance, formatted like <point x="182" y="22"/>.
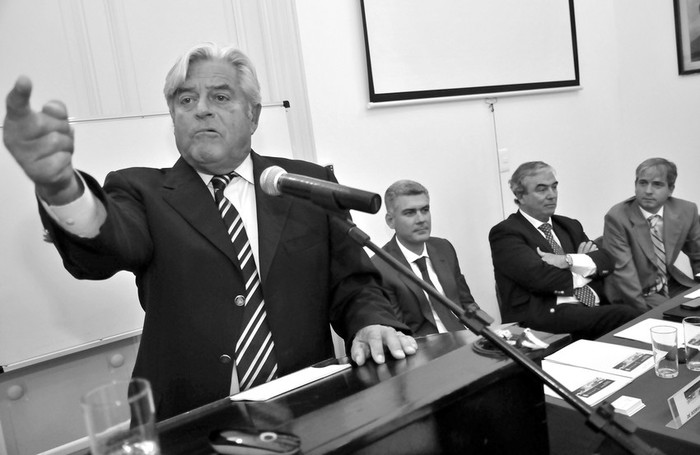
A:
<point x="287" y="383"/>
<point x="640" y="331"/>
<point x="693" y="295"/>
<point x="589" y="385"/>
<point x="605" y="357"/>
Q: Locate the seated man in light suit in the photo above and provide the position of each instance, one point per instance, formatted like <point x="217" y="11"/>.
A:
<point x="645" y="274"/>
<point x="548" y="273"/>
<point x="408" y="213"/>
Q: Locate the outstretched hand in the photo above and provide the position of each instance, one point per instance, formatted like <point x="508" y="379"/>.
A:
<point x="41" y="143"/>
<point x="370" y="341"/>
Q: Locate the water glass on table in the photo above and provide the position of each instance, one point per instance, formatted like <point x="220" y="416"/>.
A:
<point x="664" y="342"/>
<point x="691" y="331"/>
<point x="120" y="418"/>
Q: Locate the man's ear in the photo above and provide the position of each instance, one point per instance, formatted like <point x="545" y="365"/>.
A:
<point x="255" y="117"/>
<point x="389" y="218"/>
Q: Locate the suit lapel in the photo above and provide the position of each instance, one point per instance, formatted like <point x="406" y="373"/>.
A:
<point x="641" y="230"/>
<point x="185" y="191"/>
<point x="437" y="258"/>
<point x="272" y="216"/>
<point x="672" y="230"/>
<point x="565" y="240"/>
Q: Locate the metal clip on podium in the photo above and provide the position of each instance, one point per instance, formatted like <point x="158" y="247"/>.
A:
<point x="602" y="419"/>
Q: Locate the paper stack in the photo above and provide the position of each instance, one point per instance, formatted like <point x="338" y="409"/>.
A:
<point x="594" y="370"/>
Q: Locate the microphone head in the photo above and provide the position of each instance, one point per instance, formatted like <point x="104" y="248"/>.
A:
<point x="269" y="179"/>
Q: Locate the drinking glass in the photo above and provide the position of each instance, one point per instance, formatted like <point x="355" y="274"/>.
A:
<point x="120" y="418"/>
<point x="664" y="341"/>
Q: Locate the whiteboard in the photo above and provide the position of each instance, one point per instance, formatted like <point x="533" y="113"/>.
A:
<point x="45" y="312"/>
<point x="418" y="49"/>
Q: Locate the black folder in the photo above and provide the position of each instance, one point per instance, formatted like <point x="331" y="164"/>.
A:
<point x="677" y="313"/>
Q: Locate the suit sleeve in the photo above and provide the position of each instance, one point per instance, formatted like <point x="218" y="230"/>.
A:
<point x="357" y="299"/>
<point x="515" y="257"/>
<point x="625" y="279"/>
<point x="691" y="247"/>
<point x="123" y="243"/>
<point x="389" y="288"/>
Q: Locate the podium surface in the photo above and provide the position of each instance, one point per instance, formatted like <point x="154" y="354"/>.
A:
<point x="444" y="399"/>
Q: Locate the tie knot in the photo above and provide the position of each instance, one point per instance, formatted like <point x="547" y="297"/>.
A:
<point x="654" y="220"/>
<point x="420" y="262"/>
<point x="546" y="228"/>
<point x="219" y="182"/>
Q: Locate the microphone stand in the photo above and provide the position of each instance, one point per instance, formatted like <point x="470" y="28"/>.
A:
<point x="603" y="419"/>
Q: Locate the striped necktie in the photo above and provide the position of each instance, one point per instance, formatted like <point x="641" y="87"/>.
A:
<point x="256" y="362"/>
<point x="655" y="225"/>
<point x="585" y="293"/>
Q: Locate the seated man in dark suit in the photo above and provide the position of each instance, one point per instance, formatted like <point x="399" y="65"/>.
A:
<point x="645" y="234"/>
<point x="549" y="275"/>
<point x="408" y="213"/>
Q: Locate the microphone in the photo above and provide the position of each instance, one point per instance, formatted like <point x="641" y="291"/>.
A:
<point x="275" y="181"/>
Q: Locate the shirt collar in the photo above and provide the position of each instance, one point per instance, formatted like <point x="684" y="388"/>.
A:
<point x="646" y="214"/>
<point x="244" y="170"/>
<point x="410" y="255"/>
<point x="535" y="222"/>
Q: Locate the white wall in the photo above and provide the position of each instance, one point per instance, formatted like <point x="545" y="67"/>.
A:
<point x="632" y="105"/>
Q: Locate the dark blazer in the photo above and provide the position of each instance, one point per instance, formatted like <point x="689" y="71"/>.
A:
<point x="408" y="299"/>
<point x="528" y="287"/>
<point x="628" y="239"/>
<point x="163" y="226"/>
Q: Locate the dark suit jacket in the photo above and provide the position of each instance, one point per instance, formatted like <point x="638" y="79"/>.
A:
<point x="408" y="299"/>
<point x="528" y="287"/>
<point x="628" y="239"/>
<point x="163" y="226"/>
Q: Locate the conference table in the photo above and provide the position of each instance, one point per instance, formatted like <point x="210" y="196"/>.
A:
<point x="447" y="398"/>
<point x="570" y="435"/>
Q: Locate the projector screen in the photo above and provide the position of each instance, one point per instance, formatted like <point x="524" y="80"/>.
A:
<point x="443" y="48"/>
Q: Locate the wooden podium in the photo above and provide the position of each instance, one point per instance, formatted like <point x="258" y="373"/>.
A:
<point x="445" y="399"/>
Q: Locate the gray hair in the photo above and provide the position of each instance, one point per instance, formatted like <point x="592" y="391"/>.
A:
<point x="671" y="169"/>
<point x="402" y="188"/>
<point x="525" y="170"/>
<point x="245" y="71"/>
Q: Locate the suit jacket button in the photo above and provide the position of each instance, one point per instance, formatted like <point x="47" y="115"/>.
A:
<point x="225" y="359"/>
<point x="239" y="300"/>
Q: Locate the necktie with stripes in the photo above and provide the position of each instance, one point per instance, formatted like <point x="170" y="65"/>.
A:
<point x="584" y="294"/>
<point x="256" y="362"/>
<point x="660" y="252"/>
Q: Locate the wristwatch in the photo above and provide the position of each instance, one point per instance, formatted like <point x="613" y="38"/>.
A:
<point x="569" y="260"/>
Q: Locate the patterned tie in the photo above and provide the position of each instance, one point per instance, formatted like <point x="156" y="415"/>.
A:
<point x="584" y="294"/>
<point x="255" y="351"/>
<point x="447" y="317"/>
<point x="655" y="224"/>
